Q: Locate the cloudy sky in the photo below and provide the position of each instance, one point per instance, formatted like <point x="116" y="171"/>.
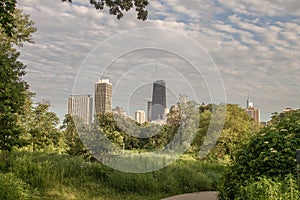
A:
<point x="211" y="50"/>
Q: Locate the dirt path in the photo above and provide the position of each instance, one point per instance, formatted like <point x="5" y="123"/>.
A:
<point x="195" y="196"/>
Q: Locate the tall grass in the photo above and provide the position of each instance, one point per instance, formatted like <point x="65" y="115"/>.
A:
<point x="57" y="176"/>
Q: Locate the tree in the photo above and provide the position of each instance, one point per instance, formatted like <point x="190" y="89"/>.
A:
<point x="7" y="20"/>
<point x="15" y="29"/>
<point x="116" y="7"/>
<point x="239" y="127"/>
<point x="12" y="97"/>
<point x="72" y="140"/>
<point x="43" y="129"/>
<point x="270" y="153"/>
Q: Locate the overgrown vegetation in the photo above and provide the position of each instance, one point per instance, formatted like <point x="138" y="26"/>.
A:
<point x="41" y="161"/>
<point x="55" y="176"/>
<point x="267" y="189"/>
<point x="271" y="154"/>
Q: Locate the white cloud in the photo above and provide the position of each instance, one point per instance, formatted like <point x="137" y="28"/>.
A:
<point x="255" y="44"/>
<point x="264" y="8"/>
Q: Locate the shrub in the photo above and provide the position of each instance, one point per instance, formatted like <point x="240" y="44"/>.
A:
<point x="270" y="153"/>
<point x="268" y="189"/>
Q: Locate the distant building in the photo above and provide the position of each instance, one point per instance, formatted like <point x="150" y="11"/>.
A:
<point x="287" y="110"/>
<point x="103" y="96"/>
<point x="159" y="100"/>
<point x="119" y="110"/>
<point x="183" y="99"/>
<point x="81" y="106"/>
<point x="249" y="103"/>
<point x="149" y="111"/>
<point x="253" y="112"/>
<point x="166" y="112"/>
<point x="140" y="116"/>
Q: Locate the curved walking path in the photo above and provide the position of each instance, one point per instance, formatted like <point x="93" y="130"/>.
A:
<point x="195" y="196"/>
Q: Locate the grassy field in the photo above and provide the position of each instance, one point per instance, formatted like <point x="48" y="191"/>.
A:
<point x="56" y="176"/>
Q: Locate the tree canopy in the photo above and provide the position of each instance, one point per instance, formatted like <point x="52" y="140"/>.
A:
<point x="117" y="7"/>
<point x="15" y="29"/>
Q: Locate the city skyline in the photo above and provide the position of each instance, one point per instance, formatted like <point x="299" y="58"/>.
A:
<point x="255" y="46"/>
<point x="82" y="105"/>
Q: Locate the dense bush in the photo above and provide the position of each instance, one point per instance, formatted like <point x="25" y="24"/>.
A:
<point x="268" y="189"/>
<point x="270" y="153"/>
<point x="12" y="188"/>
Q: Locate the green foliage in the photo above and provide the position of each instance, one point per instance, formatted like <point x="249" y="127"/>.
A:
<point x="205" y="117"/>
<point x="39" y="126"/>
<point x="120" y="130"/>
<point x="270" y="153"/>
<point x="43" y="127"/>
<point x="183" y="176"/>
<point x="12" y="188"/>
<point x="237" y="130"/>
<point x="268" y="189"/>
<point x="74" y="145"/>
<point x="15" y="28"/>
<point x="116" y="7"/>
<point x="92" y="180"/>
<point x="12" y="97"/>
<point x="7" y="7"/>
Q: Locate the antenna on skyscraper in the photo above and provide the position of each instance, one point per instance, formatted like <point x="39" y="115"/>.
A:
<point x="156" y="72"/>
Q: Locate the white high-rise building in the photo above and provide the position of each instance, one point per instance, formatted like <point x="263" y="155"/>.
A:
<point x="81" y="106"/>
<point x="253" y="112"/>
<point x="149" y="110"/>
<point x="140" y="116"/>
<point x="249" y="103"/>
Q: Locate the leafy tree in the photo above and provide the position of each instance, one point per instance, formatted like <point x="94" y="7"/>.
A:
<point x="72" y="139"/>
<point x="7" y="20"/>
<point x="269" y="153"/>
<point x="117" y="7"/>
<point x="239" y="127"/>
<point x="123" y="131"/>
<point x="43" y="129"/>
<point x="15" y="29"/>
<point x="109" y="128"/>
<point x="12" y="97"/>
<point x="205" y="117"/>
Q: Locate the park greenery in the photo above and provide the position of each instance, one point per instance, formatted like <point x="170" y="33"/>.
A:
<point x="43" y="159"/>
<point x="267" y="163"/>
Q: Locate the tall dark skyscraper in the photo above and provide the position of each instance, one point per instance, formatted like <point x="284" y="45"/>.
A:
<point x="103" y="96"/>
<point x="159" y="100"/>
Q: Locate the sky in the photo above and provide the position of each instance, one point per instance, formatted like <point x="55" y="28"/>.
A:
<point x="214" y="51"/>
